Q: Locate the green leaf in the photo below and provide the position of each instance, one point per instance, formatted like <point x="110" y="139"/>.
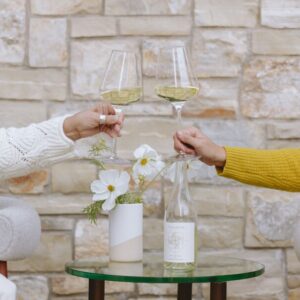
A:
<point x="129" y="198"/>
<point x="98" y="163"/>
<point x="93" y="211"/>
<point x="97" y="148"/>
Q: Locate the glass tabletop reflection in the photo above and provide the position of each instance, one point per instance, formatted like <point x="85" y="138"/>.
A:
<point x="151" y="270"/>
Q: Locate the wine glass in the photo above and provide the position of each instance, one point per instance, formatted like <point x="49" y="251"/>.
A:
<point x="177" y="83"/>
<point x="121" y="85"/>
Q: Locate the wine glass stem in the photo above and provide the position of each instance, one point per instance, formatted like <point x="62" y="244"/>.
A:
<point x="179" y="118"/>
<point x="179" y="122"/>
<point x="118" y="111"/>
<point x="114" y="148"/>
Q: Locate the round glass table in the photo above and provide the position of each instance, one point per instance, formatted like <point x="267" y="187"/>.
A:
<point x="216" y="270"/>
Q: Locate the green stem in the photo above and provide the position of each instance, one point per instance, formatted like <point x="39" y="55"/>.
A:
<point x="155" y="177"/>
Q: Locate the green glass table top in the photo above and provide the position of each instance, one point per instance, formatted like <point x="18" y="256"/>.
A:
<point x="151" y="270"/>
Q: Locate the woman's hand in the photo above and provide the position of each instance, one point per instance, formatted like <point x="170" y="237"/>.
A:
<point x="193" y="141"/>
<point x="87" y="123"/>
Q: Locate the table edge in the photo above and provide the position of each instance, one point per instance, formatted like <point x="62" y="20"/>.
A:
<point x="136" y="279"/>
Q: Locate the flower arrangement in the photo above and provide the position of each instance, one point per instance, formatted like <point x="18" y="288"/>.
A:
<point x="113" y="186"/>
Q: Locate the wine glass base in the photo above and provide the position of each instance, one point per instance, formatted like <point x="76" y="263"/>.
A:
<point x="180" y="157"/>
<point x="115" y="160"/>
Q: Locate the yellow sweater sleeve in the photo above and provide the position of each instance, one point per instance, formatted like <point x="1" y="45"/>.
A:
<point x="276" y="169"/>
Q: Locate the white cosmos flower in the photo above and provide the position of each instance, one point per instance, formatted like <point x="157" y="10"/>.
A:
<point x="148" y="163"/>
<point x="111" y="184"/>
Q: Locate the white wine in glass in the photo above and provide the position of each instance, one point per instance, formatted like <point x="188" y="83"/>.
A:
<point x="177" y="93"/>
<point x="123" y="96"/>
<point x="121" y="85"/>
<point x="177" y="81"/>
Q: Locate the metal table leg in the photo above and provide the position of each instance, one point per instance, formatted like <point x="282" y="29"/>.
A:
<point x="96" y="289"/>
<point x="3" y="268"/>
<point x="218" y="290"/>
<point x="184" y="291"/>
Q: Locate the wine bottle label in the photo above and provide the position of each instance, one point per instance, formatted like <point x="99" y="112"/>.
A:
<point x="179" y="242"/>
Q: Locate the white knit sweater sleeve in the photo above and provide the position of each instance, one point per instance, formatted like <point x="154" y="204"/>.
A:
<point x="23" y="150"/>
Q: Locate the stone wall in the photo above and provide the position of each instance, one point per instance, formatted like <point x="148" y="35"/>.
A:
<point x="246" y="56"/>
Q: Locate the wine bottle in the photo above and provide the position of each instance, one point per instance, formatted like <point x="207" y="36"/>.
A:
<point x="180" y="224"/>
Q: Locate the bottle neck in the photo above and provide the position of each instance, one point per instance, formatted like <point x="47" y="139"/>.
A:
<point x="181" y="181"/>
<point x="180" y="205"/>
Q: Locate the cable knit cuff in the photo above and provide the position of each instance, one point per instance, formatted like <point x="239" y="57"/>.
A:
<point x="233" y="162"/>
<point x="55" y="131"/>
<point x="61" y="130"/>
<point x="59" y="146"/>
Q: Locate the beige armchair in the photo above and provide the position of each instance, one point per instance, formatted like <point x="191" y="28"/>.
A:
<point x="20" y="231"/>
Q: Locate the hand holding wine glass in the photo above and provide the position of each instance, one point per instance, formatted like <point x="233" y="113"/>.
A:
<point x="86" y="123"/>
<point x="193" y="141"/>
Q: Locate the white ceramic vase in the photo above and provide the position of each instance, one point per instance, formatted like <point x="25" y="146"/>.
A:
<point x="126" y="233"/>
<point x="126" y="268"/>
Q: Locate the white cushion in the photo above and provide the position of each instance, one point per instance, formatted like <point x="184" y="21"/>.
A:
<point x="20" y="229"/>
<point x="7" y="289"/>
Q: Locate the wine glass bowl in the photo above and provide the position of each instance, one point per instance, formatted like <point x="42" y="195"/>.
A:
<point x="177" y="82"/>
<point x="121" y="85"/>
